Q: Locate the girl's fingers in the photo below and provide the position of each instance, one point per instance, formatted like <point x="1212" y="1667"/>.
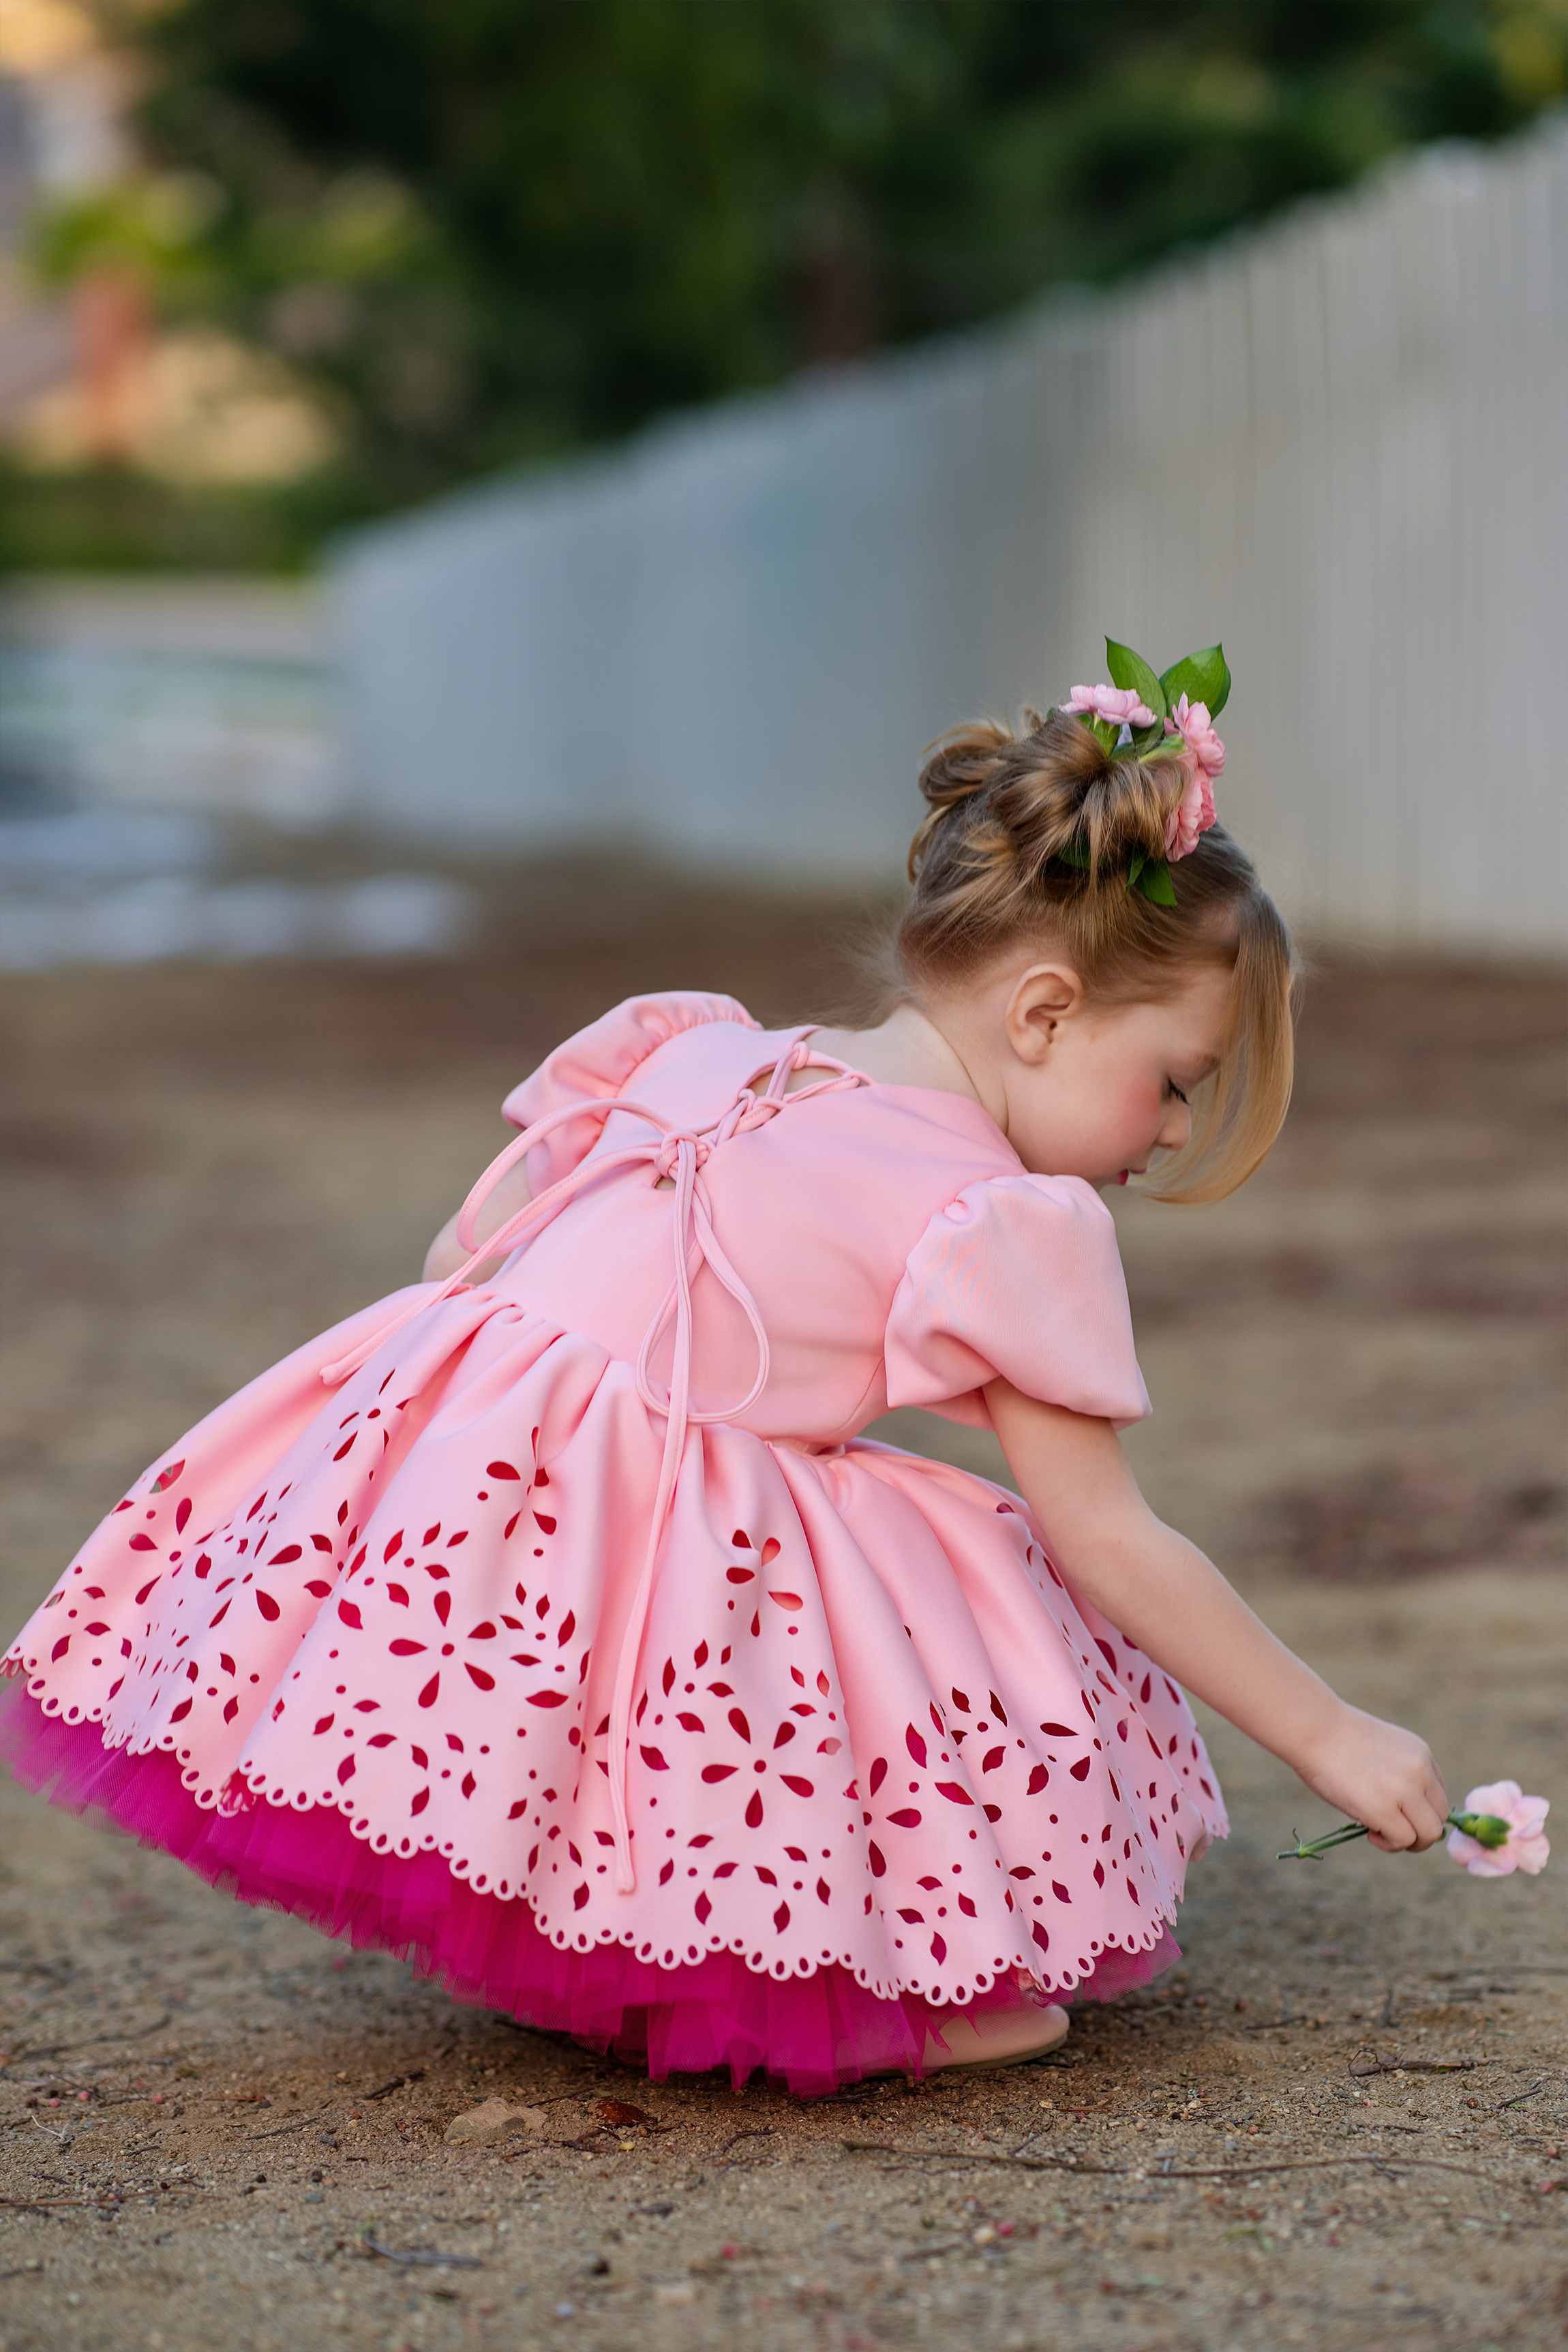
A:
<point x="1425" y="1819"/>
<point x="1431" y="1811"/>
<point x="1414" y="1828"/>
<point x="1418" y="1824"/>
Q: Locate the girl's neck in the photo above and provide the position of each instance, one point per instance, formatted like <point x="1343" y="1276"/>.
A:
<point x="906" y="1049"/>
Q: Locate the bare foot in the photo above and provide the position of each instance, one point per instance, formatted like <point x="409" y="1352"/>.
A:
<point x="996" y="2037"/>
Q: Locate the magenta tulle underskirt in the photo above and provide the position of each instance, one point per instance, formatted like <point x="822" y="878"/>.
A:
<point x="812" y="2033"/>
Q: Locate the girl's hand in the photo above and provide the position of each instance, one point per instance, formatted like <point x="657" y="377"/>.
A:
<point x="1380" y="1775"/>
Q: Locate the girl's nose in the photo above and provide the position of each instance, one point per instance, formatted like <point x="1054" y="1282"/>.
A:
<point x="1176" y="1126"/>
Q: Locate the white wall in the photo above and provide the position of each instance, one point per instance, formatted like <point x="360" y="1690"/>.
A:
<point x="1338" y="444"/>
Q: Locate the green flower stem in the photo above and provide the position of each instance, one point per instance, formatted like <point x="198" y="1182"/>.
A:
<point x="1313" y="1849"/>
<point x="1488" y="1830"/>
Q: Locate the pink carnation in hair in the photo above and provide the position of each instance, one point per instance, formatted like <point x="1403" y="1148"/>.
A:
<point x="1193" y="815"/>
<point x="1527" y="1846"/>
<point x="1203" y="757"/>
<point x="1192" y="722"/>
<point x="1117" y="705"/>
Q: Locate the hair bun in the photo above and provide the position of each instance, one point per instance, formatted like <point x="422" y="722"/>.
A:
<point x="958" y="769"/>
<point x="1053" y="791"/>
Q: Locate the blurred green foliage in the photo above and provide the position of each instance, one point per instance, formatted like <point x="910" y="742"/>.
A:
<point x="116" y="518"/>
<point x="490" y="230"/>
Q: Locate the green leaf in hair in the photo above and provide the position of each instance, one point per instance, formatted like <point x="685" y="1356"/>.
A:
<point x="1202" y="678"/>
<point x="1154" y="882"/>
<point x="1129" y="669"/>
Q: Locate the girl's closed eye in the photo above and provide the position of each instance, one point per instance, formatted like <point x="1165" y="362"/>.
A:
<point x="1172" y="1087"/>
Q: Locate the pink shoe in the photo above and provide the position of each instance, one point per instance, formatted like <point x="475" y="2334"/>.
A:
<point x="996" y="2037"/>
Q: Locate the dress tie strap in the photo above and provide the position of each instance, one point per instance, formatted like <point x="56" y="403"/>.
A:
<point x="678" y="1156"/>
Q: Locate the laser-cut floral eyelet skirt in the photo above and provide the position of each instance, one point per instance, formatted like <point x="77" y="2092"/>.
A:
<point x="558" y="1631"/>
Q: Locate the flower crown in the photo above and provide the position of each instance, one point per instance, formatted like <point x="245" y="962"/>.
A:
<point x="1167" y="718"/>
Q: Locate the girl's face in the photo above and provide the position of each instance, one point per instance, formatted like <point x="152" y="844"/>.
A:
<point x="1094" y="1090"/>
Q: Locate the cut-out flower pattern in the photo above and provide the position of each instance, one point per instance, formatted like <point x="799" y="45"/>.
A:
<point x="432" y="1679"/>
<point x="411" y="1618"/>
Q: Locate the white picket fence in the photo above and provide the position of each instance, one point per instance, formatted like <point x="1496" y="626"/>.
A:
<point x="1338" y="444"/>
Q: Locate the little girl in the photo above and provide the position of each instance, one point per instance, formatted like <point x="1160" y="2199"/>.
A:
<point x="552" y="1623"/>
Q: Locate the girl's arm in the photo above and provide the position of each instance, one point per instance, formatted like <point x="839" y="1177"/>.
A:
<point x="1163" y="1594"/>
<point x="446" y="1254"/>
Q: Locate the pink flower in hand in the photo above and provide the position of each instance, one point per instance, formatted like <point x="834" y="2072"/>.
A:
<point x="1524" y="1847"/>
<point x="1193" y="815"/>
<point x="1117" y="705"/>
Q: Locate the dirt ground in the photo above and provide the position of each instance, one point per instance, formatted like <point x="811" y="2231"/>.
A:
<point x="1340" y="2124"/>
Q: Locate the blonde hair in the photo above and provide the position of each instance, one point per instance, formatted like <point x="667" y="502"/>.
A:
<point x="1034" y="834"/>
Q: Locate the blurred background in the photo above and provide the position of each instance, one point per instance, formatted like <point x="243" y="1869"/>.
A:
<point x="503" y="430"/>
<point x="493" y="501"/>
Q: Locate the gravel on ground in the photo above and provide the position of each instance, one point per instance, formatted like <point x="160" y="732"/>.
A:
<point x="1341" y="2123"/>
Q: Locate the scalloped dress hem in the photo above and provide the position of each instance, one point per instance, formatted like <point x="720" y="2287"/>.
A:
<point x="812" y="2034"/>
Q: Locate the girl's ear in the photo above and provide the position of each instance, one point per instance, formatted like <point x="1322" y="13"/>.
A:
<point x="1046" y="996"/>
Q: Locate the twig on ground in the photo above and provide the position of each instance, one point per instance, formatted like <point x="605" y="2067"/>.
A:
<point x="1519" y="2097"/>
<point x="109" y="2202"/>
<point x="1517" y="1968"/>
<point x="93" y="2041"/>
<point x="398" y="2082"/>
<point x="767" y="2132"/>
<point x="1174" y="2172"/>
<point x="972" y="2155"/>
<point x="1420" y="2065"/>
<point x="422" y="2254"/>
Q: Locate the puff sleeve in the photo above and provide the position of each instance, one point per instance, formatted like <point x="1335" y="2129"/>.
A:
<point x="598" y="1063"/>
<point x="1020" y="1275"/>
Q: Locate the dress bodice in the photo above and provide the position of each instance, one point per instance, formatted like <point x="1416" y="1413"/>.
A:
<point x="896" y="1251"/>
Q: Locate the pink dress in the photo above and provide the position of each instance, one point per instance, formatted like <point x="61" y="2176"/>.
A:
<point x="560" y="1630"/>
